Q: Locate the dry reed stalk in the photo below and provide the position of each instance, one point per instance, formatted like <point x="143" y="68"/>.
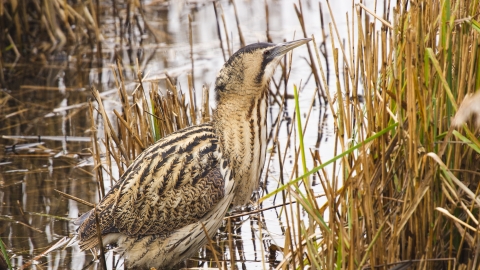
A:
<point x="227" y="39"/>
<point x="191" y="76"/>
<point x="230" y="241"/>
<point x="219" y="32"/>
<point x="240" y="35"/>
<point x="210" y="244"/>
<point x="39" y="28"/>
<point x="404" y="197"/>
<point x="103" y="261"/>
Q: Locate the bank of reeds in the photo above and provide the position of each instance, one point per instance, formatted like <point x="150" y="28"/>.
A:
<point x="405" y="181"/>
<point x="404" y="192"/>
<point x="35" y="30"/>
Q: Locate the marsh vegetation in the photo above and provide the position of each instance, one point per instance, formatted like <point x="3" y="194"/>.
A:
<point x="365" y="169"/>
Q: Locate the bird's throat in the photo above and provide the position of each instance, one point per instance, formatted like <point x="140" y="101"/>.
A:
<point x="242" y="129"/>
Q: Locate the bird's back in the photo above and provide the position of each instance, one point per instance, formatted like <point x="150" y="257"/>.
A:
<point x="172" y="184"/>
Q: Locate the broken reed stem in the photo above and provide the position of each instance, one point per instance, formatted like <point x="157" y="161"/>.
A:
<point x="260" y="234"/>
<point x="130" y="130"/>
<point x="96" y="153"/>
<point x="205" y="105"/>
<point x="226" y="31"/>
<point x="267" y="23"/>
<point x="191" y="78"/>
<point x="240" y="35"/>
<point x="375" y="15"/>
<point x="191" y="94"/>
<point x="299" y="12"/>
<point x="219" y="32"/>
<point x="71" y="197"/>
<point x="214" y="252"/>
<point x="230" y="241"/>
<point x="103" y="261"/>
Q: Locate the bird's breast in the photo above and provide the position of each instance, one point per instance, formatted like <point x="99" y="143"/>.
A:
<point x="244" y="135"/>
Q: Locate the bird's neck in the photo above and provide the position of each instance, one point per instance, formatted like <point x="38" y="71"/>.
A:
<point x="241" y="124"/>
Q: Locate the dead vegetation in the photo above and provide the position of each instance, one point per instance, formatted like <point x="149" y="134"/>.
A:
<point x="403" y="186"/>
<point x="410" y="181"/>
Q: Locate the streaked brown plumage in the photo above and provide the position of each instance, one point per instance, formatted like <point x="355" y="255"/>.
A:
<point x="155" y="211"/>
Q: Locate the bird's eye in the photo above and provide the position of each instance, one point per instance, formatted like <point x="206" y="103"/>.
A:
<point x="267" y="52"/>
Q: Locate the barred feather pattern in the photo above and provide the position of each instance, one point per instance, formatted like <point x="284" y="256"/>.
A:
<point x="165" y="251"/>
<point x="243" y="136"/>
<point x="171" y="187"/>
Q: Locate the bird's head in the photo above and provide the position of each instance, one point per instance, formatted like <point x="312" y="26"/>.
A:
<point x="250" y="69"/>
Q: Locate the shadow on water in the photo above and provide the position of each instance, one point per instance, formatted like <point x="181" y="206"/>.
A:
<point x="45" y="128"/>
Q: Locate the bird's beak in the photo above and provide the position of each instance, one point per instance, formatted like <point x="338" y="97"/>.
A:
<point x="282" y="48"/>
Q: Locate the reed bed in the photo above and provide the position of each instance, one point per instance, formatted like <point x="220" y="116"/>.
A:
<point x="405" y="183"/>
<point x="36" y="31"/>
<point x="402" y="188"/>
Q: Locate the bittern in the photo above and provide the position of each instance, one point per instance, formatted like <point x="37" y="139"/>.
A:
<point x="154" y="213"/>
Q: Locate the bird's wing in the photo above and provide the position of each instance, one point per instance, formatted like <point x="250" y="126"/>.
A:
<point x="171" y="184"/>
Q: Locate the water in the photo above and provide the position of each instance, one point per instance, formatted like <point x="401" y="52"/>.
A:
<point x="45" y="123"/>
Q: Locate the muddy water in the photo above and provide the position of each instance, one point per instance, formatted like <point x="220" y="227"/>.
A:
<point x="45" y="124"/>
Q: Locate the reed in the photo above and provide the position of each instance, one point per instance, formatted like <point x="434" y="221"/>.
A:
<point x="405" y="183"/>
<point x="35" y="29"/>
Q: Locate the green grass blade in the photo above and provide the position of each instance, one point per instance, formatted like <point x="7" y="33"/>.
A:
<point x="467" y="141"/>
<point x="475" y="25"/>
<point x="5" y="255"/>
<point x="436" y="65"/>
<point x="300" y="133"/>
<point x="316" y="169"/>
<point x="156" y="125"/>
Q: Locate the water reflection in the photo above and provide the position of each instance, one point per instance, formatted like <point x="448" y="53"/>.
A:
<point x="46" y="102"/>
